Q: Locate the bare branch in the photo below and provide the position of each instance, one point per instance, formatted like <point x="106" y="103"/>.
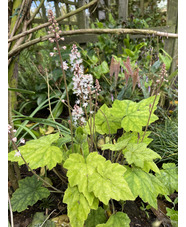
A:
<point x="36" y="11"/>
<point x="57" y="19"/>
<point x="94" y="31"/>
<point x="16" y="24"/>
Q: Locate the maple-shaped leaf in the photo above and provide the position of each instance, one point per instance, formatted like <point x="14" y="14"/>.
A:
<point x="106" y="122"/>
<point x="134" y="115"/>
<point x="169" y="177"/>
<point x="150" y="166"/>
<point x="79" y="170"/>
<point x="96" y="217"/>
<point x="39" y="153"/>
<point x="107" y="182"/>
<point x="136" y="137"/>
<point x="117" y="146"/>
<point x="119" y="219"/>
<point x="144" y="185"/>
<point x="138" y="154"/>
<point x="77" y="206"/>
<point x="94" y="176"/>
<point x="29" y="192"/>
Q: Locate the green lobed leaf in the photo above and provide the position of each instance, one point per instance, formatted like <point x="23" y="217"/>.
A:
<point x="79" y="170"/>
<point x="134" y="115"/>
<point x="117" y="146"/>
<point x="39" y="153"/>
<point x="136" y="137"/>
<point x="144" y="185"/>
<point x="108" y="182"/>
<point x="78" y="206"/>
<point x="169" y="177"/>
<point x="117" y="220"/>
<point x="150" y="166"/>
<point x="138" y="154"/>
<point x="29" y="192"/>
<point x="106" y="122"/>
<point x="95" y="176"/>
<point x="173" y="214"/>
<point x="96" y="217"/>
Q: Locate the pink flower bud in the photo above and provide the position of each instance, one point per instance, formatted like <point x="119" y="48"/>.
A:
<point x="17" y="154"/>
<point x="14" y="139"/>
<point x="51" y="54"/>
<point x="22" y="140"/>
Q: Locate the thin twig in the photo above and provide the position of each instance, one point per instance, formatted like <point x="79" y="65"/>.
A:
<point x="59" y="175"/>
<point x="113" y="208"/>
<point x="11" y="212"/>
<point x="36" y="11"/>
<point x="47" y="218"/>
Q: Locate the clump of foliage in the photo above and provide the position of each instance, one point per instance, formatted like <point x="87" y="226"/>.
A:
<point x="124" y="165"/>
<point x="165" y="140"/>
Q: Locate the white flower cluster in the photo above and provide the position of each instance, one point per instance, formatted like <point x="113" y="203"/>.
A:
<point x="82" y="85"/>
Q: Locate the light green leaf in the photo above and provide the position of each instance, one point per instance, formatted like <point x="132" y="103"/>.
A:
<point x="150" y="166"/>
<point x="117" y="220"/>
<point x="139" y="153"/>
<point x="134" y="115"/>
<point x="144" y="185"/>
<point x="169" y="177"/>
<point x="136" y="137"/>
<point x="108" y="182"/>
<point x="29" y="192"/>
<point x="117" y="146"/>
<point x="97" y="177"/>
<point x="39" y="153"/>
<point x="79" y="171"/>
<point x="173" y="214"/>
<point x="106" y="122"/>
<point x="96" y="217"/>
<point x="77" y="205"/>
<point x="104" y="67"/>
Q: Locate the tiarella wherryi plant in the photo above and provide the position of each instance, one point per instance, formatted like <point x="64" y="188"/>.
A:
<point x="120" y="170"/>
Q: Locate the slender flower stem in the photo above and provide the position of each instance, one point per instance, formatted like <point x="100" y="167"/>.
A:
<point x="151" y="110"/>
<point x="68" y="101"/>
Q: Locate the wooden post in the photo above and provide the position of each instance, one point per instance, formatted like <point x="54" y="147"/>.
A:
<point x="44" y="13"/>
<point x="172" y="21"/>
<point x="58" y="13"/>
<point x="81" y="16"/>
<point x="123" y="9"/>
<point x="142" y="7"/>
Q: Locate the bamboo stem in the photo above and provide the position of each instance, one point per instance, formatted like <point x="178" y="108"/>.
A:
<point x="91" y="31"/>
